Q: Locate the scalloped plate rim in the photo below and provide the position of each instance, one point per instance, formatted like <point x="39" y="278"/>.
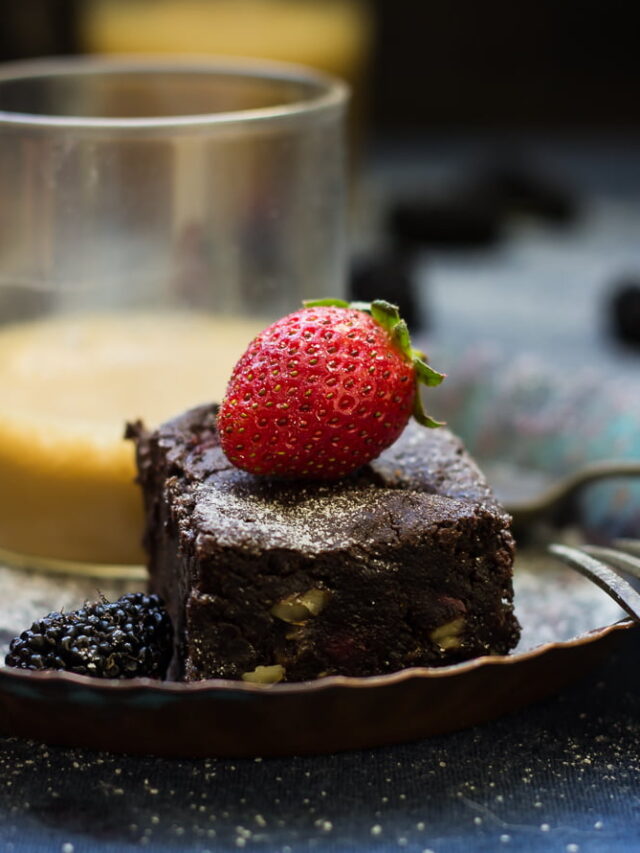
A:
<point x="219" y="685"/>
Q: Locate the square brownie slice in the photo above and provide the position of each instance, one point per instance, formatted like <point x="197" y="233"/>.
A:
<point x="408" y="562"/>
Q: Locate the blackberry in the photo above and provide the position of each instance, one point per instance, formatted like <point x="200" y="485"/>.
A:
<point x="127" y="638"/>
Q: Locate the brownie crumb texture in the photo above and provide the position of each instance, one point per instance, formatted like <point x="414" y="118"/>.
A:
<point x="408" y="562"/>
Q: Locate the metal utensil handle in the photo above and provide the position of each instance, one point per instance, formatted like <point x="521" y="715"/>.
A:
<point x="603" y="576"/>
<point x="569" y="486"/>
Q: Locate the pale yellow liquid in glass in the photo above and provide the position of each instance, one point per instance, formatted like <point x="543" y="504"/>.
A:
<point x="67" y="388"/>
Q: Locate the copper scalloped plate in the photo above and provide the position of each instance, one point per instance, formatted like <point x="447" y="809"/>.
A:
<point x="559" y="611"/>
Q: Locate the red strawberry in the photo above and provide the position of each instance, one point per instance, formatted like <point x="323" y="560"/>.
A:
<point x="323" y="391"/>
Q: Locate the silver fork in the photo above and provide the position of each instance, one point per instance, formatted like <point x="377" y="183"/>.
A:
<point x="607" y="567"/>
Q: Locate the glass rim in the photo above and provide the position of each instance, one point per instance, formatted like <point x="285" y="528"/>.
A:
<point x="331" y="93"/>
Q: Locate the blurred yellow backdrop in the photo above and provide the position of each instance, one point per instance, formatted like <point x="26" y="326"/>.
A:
<point x="331" y="35"/>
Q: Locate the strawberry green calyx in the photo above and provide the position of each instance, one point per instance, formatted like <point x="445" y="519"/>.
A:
<point x="388" y="316"/>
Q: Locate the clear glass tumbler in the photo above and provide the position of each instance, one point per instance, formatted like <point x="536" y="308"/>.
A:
<point x="154" y="216"/>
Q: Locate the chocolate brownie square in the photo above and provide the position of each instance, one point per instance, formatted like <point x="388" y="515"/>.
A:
<point x="408" y="562"/>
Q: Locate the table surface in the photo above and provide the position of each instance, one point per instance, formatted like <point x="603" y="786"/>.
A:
<point x="562" y="775"/>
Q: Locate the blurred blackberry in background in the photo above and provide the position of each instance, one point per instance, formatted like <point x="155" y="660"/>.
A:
<point x="518" y="189"/>
<point x="624" y="310"/>
<point x="451" y="217"/>
<point x="127" y="638"/>
<point x="469" y="211"/>
<point x="387" y="275"/>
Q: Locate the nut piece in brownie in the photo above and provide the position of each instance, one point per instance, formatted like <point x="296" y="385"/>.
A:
<point x="408" y="562"/>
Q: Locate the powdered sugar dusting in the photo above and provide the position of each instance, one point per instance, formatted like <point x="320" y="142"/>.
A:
<point x="255" y="521"/>
<point x="313" y="519"/>
<point x="434" y="461"/>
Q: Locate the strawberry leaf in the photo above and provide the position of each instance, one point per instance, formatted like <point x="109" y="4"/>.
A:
<point x="401" y="338"/>
<point x="385" y="313"/>
<point x="426" y="374"/>
<point x="329" y="302"/>
<point x="421" y="416"/>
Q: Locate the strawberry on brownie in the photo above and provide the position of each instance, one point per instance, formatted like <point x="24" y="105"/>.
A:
<point x="323" y="391"/>
<point x="304" y="528"/>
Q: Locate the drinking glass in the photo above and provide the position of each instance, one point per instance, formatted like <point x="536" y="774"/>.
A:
<point x="155" y="215"/>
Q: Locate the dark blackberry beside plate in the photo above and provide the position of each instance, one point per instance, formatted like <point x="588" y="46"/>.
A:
<point x="128" y="638"/>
